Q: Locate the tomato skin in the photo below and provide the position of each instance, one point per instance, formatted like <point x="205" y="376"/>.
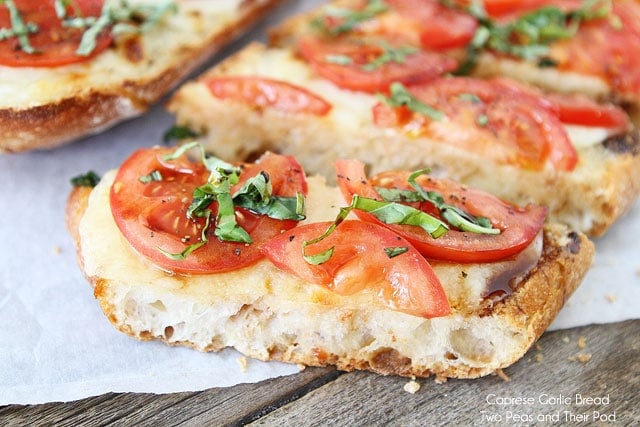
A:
<point x="518" y="226"/>
<point x="441" y="27"/>
<point x="264" y="92"/>
<point x="55" y="44"/>
<point x="581" y="110"/>
<point x="419" y="67"/>
<point x="406" y="282"/>
<point x="152" y="216"/>
<point x="520" y="127"/>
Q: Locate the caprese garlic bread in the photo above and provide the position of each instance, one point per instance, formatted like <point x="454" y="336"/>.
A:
<point x="399" y="273"/>
<point x="69" y="68"/>
<point x="576" y="46"/>
<point x="568" y="152"/>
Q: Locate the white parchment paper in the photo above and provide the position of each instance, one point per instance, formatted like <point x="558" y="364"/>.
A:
<point x="56" y="345"/>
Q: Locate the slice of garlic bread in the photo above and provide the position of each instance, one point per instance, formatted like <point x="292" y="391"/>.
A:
<point x="45" y="106"/>
<point x="269" y="314"/>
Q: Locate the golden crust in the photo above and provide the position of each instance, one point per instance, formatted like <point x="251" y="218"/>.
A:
<point x="91" y="110"/>
<point x="529" y="310"/>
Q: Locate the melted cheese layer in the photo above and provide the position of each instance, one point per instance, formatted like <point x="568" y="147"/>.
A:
<point x="108" y="255"/>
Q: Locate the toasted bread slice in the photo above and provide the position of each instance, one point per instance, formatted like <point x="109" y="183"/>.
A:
<point x="564" y="68"/>
<point x="44" y="107"/>
<point x="590" y="198"/>
<point x="268" y="314"/>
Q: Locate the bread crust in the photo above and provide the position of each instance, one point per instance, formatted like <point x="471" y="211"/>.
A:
<point x="65" y="116"/>
<point x="513" y="323"/>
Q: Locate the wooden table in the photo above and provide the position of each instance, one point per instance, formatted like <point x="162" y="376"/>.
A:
<point x="551" y="385"/>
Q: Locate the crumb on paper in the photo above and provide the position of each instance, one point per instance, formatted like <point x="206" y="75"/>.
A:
<point x="301" y="367"/>
<point x="566" y="340"/>
<point x="501" y="374"/>
<point x="582" y="342"/>
<point x="538" y="346"/>
<point x="243" y="362"/>
<point x="412" y="386"/>
<point x="539" y="357"/>
<point x="57" y="250"/>
<point x="580" y="357"/>
<point x="611" y="298"/>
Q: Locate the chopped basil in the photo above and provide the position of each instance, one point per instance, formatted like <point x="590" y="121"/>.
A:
<point x="454" y="215"/>
<point x="179" y="133"/>
<point x="89" y="179"/>
<point x="400" y="96"/>
<point x="347" y="19"/>
<point x="119" y="14"/>
<point x="530" y="35"/>
<point x="153" y="176"/>
<point x="255" y="196"/>
<point x="390" y="54"/>
<point x="395" y="251"/>
<point x="482" y="120"/>
<point x="19" y="28"/>
<point x="338" y="59"/>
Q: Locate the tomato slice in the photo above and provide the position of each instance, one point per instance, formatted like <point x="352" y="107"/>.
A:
<point x="441" y="27"/>
<point x="348" y="62"/>
<point x="55" y="44"/>
<point x="152" y="216"/>
<point x="606" y="48"/>
<point x="518" y="226"/>
<point x="264" y="92"/>
<point x="581" y="110"/>
<point x="406" y="282"/>
<point x="488" y="117"/>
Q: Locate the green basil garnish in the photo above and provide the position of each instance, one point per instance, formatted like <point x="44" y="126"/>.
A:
<point x="400" y="96"/>
<point x="89" y="179"/>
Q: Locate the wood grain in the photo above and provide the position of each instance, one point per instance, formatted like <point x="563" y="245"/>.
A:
<point x="325" y="396"/>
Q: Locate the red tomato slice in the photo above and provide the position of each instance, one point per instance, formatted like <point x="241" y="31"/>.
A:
<point x="488" y="117"/>
<point x="357" y="55"/>
<point x="264" y="92"/>
<point x="440" y="27"/>
<point x="55" y="44"/>
<point x="405" y="282"/>
<point x="606" y="48"/>
<point x="581" y="110"/>
<point x="152" y="216"/>
<point x="518" y="226"/>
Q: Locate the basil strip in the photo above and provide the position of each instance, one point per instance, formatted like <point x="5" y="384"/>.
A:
<point x="400" y="96"/>
<point x="153" y="176"/>
<point x="454" y="215"/>
<point x="390" y="54"/>
<point x="350" y="18"/>
<point x="118" y="14"/>
<point x="255" y="195"/>
<point x="179" y="133"/>
<point x="18" y="29"/>
<point x="395" y="251"/>
<point x="387" y="212"/>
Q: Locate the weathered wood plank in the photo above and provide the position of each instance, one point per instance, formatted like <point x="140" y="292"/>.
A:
<point x="225" y="406"/>
<point x="545" y="377"/>
<point x="321" y="396"/>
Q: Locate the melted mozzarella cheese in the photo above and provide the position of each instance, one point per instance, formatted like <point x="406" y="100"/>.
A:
<point x="107" y="254"/>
